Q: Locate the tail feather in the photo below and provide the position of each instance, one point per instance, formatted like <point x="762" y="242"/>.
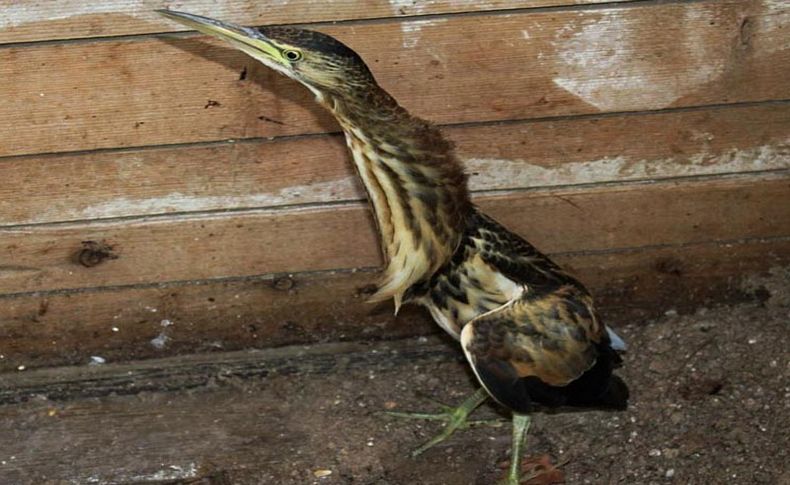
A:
<point x="615" y="341"/>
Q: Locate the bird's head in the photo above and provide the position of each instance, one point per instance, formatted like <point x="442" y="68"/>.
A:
<point x="319" y="61"/>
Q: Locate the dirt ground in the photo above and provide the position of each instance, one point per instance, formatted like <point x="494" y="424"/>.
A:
<point x="710" y="405"/>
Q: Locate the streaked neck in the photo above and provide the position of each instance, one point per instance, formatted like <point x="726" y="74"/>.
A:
<point x="415" y="184"/>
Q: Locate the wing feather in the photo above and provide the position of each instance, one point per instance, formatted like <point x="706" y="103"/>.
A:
<point x="548" y="339"/>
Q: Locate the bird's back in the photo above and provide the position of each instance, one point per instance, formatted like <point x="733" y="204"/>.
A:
<point x="529" y="329"/>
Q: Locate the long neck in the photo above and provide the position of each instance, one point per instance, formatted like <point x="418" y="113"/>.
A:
<point x="414" y="182"/>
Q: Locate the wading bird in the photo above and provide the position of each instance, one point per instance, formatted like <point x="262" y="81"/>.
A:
<point x="528" y="329"/>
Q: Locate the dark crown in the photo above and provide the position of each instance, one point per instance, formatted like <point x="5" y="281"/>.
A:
<point x="312" y="41"/>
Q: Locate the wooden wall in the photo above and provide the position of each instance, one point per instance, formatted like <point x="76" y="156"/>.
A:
<point x="161" y="193"/>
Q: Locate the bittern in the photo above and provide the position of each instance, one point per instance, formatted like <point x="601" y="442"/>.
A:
<point x="528" y="329"/>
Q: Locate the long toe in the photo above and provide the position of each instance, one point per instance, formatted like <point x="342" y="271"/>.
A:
<point x="454" y="419"/>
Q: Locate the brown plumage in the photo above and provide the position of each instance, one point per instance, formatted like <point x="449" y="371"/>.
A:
<point x="414" y="182"/>
<point x="529" y="330"/>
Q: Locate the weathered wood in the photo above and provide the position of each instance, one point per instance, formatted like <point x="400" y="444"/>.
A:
<point x="189" y="371"/>
<point x="132" y="323"/>
<point x="282" y="430"/>
<point x="35" y="20"/>
<point x="201" y="246"/>
<point x="450" y="70"/>
<point x="40" y="189"/>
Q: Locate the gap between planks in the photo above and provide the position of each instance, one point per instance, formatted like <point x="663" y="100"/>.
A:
<point x="123" y="325"/>
<point x="369" y="270"/>
<point x="137" y="105"/>
<point x="202" y="247"/>
<point x="565" y="189"/>
<point x="443" y="127"/>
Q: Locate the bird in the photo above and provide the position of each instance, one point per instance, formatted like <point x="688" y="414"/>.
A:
<point x="529" y="329"/>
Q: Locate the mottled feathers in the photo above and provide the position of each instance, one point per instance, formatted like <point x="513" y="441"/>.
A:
<point x="535" y="338"/>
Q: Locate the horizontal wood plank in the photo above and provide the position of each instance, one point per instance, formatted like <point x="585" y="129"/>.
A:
<point x="197" y="370"/>
<point x="41" y="189"/>
<point x="124" y="252"/>
<point x="451" y="70"/>
<point x="36" y="20"/>
<point x="133" y="323"/>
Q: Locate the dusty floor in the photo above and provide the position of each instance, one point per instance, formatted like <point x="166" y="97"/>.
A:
<point x="711" y="405"/>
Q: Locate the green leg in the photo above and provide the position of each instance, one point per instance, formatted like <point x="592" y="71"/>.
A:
<point x="454" y="417"/>
<point x="520" y="427"/>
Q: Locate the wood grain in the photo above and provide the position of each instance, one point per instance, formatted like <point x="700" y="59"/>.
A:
<point x="215" y="245"/>
<point x="140" y="92"/>
<point x="733" y="139"/>
<point x="36" y="20"/>
<point x="198" y="370"/>
<point x="121" y="324"/>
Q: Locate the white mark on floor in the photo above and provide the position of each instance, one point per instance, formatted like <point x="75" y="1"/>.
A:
<point x="160" y="341"/>
<point x="172" y="472"/>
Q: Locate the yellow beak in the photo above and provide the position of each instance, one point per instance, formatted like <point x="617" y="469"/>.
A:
<point x="246" y="39"/>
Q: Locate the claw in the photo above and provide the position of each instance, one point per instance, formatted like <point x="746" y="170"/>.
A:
<point x="455" y="417"/>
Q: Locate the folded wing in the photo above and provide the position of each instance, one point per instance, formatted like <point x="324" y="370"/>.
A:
<point x="546" y="348"/>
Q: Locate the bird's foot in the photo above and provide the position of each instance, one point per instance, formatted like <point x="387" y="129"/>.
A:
<point x="454" y="417"/>
<point x="520" y="427"/>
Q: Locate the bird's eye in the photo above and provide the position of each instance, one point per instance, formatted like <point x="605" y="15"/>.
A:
<point x="292" y="55"/>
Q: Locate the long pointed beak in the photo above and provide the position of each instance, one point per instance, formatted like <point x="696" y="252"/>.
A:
<point x="246" y="39"/>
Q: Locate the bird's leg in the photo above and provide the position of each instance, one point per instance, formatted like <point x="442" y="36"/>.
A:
<point x="520" y="427"/>
<point x="454" y="417"/>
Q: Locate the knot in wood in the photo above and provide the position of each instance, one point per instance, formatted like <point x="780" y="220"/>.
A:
<point x="283" y="283"/>
<point x="94" y="253"/>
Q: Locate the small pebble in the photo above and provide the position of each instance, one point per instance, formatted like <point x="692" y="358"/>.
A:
<point x="670" y="473"/>
<point x="671" y="453"/>
<point x="321" y="473"/>
<point x="96" y="360"/>
<point x="654" y="452"/>
<point x="160" y="341"/>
